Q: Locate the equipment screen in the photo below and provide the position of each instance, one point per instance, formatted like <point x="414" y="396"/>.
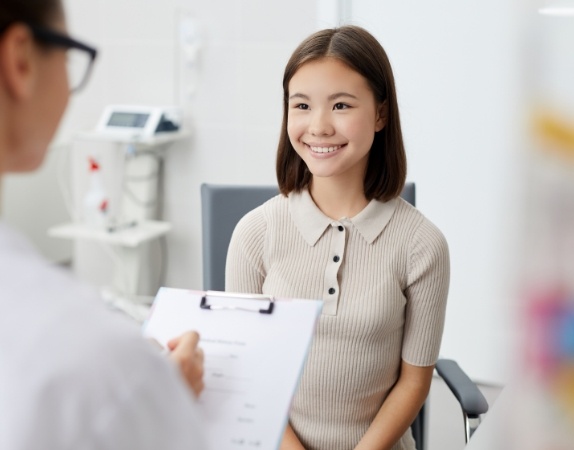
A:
<point x="131" y="120"/>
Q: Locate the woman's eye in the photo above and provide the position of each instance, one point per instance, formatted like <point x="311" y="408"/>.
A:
<point x="340" y="106"/>
<point x="302" y="106"/>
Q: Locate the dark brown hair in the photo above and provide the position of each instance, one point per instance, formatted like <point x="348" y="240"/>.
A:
<point x="358" y="49"/>
<point x="33" y="12"/>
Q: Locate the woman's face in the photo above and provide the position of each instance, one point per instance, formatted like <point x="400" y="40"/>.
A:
<point x="39" y="112"/>
<point x="332" y="119"/>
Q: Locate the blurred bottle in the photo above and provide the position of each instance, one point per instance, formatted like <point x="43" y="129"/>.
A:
<point x="95" y="202"/>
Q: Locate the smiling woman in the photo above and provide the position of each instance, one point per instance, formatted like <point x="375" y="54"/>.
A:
<point x="340" y="233"/>
<point x="332" y="120"/>
<point x="361" y="54"/>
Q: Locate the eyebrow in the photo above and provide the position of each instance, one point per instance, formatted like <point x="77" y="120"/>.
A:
<point x="331" y="97"/>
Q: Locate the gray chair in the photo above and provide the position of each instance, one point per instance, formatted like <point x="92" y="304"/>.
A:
<point x="221" y="208"/>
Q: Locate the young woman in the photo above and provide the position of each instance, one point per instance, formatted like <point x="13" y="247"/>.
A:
<point x="72" y="374"/>
<point x="341" y="233"/>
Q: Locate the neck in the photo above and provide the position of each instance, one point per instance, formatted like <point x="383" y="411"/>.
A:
<point x="337" y="200"/>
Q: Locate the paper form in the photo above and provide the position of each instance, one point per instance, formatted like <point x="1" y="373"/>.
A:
<point x="252" y="361"/>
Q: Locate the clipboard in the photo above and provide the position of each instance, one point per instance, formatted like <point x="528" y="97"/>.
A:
<point x="255" y="348"/>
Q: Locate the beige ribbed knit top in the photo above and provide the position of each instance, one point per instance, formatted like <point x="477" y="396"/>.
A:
<point x="383" y="276"/>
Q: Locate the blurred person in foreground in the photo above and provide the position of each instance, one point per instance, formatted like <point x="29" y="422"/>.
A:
<point x="73" y="375"/>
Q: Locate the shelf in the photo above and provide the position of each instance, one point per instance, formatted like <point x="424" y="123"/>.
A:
<point x="142" y="142"/>
<point x="128" y="237"/>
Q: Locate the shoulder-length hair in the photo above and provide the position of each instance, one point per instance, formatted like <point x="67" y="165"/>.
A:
<point x="358" y="49"/>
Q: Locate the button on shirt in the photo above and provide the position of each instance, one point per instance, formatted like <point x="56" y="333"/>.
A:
<point x="313" y="225"/>
<point x="383" y="277"/>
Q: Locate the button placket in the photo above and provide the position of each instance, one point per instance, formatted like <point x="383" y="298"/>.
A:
<point x="336" y="254"/>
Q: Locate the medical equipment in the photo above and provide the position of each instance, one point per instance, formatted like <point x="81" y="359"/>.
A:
<point x="95" y="201"/>
<point x="139" y="122"/>
<point x="116" y="209"/>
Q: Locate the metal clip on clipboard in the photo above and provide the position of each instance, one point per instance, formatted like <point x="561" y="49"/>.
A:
<point x="258" y="297"/>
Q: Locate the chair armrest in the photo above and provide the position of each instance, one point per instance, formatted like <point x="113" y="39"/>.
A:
<point x="471" y="400"/>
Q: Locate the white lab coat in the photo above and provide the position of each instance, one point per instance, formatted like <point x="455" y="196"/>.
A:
<point x="74" y="375"/>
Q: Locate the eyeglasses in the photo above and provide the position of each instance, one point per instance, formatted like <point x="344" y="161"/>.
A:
<point x="80" y="57"/>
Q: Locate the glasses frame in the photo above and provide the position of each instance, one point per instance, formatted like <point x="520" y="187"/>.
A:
<point x="57" y="39"/>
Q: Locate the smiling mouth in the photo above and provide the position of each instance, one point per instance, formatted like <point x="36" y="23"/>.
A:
<point x="325" y="149"/>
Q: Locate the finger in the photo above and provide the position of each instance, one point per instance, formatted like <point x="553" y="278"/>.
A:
<point x="188" y="339"/>
<point x="173" y="343"/>
<point x="200" y="354"/>
<point x="198" y="387"/>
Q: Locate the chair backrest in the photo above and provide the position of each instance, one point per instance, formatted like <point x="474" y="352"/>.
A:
<point x="409" y="193"/>
<point x="221" y="208"/>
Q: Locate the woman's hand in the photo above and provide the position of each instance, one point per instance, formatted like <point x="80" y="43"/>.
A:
<point x="290" y="440"/>
<point x="189" y="358"/>
<point x="399" y="409"/>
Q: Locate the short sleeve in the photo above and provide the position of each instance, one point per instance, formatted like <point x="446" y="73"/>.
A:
<point x="245" y="269"/>
<point x="427" y="290"/>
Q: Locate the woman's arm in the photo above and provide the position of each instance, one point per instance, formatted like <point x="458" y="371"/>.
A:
<point x="426" y="293"/>
<point x="399" y="409"/>
<point x="290" y="440"/>
<point x="244" y="270"/>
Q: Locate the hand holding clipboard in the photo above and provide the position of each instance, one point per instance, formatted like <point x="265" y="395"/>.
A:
<point x="253" y="360"/>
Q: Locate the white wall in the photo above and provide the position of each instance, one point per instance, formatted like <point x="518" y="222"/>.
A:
<point x="32" y="202"/>
<point x="457" y="73"/>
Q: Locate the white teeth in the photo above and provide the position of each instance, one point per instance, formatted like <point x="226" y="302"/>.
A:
<point x="324" y="149"/>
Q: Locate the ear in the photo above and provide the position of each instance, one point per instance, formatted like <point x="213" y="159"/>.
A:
<point x="17" y="62"/>
<point x="382" y="114"/>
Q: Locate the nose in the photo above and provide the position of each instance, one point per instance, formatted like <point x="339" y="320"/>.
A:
<point x="320" y="123"/>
